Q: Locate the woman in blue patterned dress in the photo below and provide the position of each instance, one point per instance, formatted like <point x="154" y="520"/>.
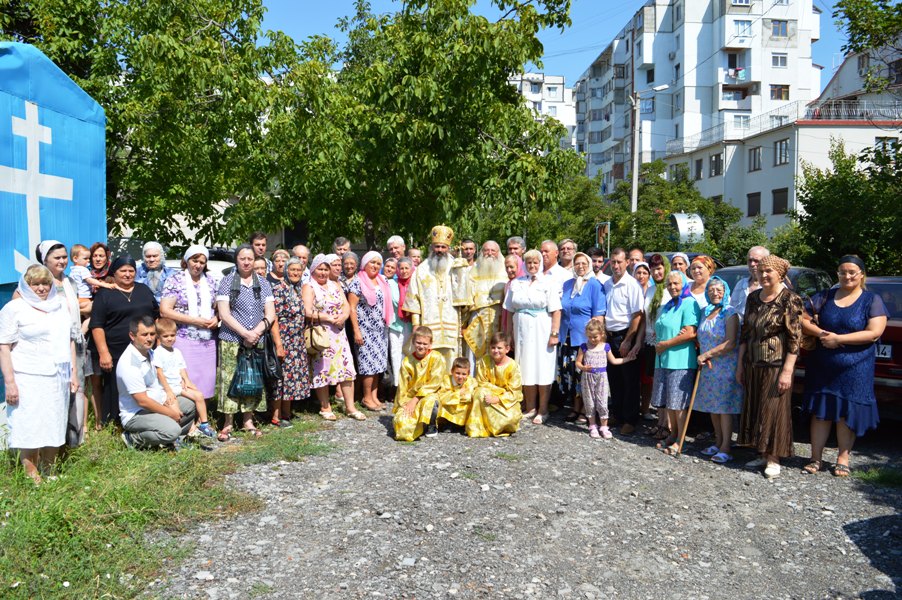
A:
<point x="371" y="313"/>
<point x="839" y="378"/>
<point x="295" y="382"/>
<point x="718" y="391"/>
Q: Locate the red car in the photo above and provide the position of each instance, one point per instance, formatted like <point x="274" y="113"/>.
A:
<point x="888" y="372"/>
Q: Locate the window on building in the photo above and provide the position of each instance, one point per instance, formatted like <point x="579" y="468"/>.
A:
<point x="779" y="92"/>
<point x="676" y="42"/>
<point x="677" y="13"/>
<point x="650" y="76"/>
<point x="619" y="71"/>
<point x="715" y="165"/>
<point x="742" y="2"/>
<point x="886" y="145"/>
<point x="732" y="94"/>
<point x="895" y="72"/>
<point x="552" y="111"/>
<point x="778" y="60"/>
<point x="580" y="147"/>
<point x="779" y="28"/>
<point x="742" y="28"/>
<point x="698" y="172"/>
<point x="639" y="50"/>
<point x="676" y="72"/>
<point x="678" y="102"/>
<point x="596" y="114"/>
<point x="552" y="91"/>
<point x="742" y="121"/>
<point x="535" y="88"/>
<point x="864" y="63"/>
<point x="595" y="92"/>
<point x="716" y="199"/>
<point x="676" y="131"/>
<point x="781" y="2"/>
<point x="647" y="105"/>
<point x="754" y="204"/>
<point x="755" y="159"/>
<point x="781" y="201"/>
<point x="781" y="152"/>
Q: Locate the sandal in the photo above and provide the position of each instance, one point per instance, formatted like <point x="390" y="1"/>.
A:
<point x="224" y="435"/>
<point x="812" y="467"/>
<point x="672" y="450"/>
<point x="664" y="444"/>
<point x="529" y="415"/>
<point x="328" y="415"/>
<point x="663" y="433"/>
<point x="540" y="419"/>
<point x="581" y="420"/>
<point x="357" y="416"/>
<point x="254" y="432"/>
<point x="840" y="470"/>
<point x="710" y="450"/>
<point x="721" y="458"/>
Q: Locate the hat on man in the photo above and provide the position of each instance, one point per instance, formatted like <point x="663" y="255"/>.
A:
<point x="441" y="234"/>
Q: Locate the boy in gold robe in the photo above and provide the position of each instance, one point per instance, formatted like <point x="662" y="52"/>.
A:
<point x="454" y="406"/>
<point x="422" y="381"/>
<point x="496" y="402"/>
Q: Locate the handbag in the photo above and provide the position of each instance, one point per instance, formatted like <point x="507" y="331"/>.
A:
<point x="814" y="304"/>
<point x="316" y="338"/>
<point x="248" y="378"/>
<point x="272" y="366"/>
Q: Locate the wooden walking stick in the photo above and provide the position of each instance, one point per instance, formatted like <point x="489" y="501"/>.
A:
<point x="698" y="374"/>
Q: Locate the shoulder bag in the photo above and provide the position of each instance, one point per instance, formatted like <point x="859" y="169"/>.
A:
<point x="272" y="366"/>
<point x="248" y="378"/>
<point x="316" y="338"/>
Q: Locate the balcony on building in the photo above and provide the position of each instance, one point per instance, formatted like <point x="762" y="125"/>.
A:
<point x="733" y="97"/>
<point x="741" y="77"/>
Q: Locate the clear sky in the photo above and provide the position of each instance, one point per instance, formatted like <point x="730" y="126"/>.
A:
<point x="595" y="23"/>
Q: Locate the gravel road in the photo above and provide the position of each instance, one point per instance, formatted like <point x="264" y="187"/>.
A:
<point x="546" y="513"/>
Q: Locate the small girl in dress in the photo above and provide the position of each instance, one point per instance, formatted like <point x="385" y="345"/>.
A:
<point x="593" y="359"/>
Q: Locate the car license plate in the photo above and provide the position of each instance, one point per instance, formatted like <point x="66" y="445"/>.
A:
<point x="885" y="351"/>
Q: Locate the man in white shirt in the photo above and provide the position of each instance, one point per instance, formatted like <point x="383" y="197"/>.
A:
<point x="396" y="247"/>
<point x="550" y="266"/>
<point x="149" y="420"/>
<point x="625" y="303"/>
<point x="749" y="284"/>
<point x="302" y="253"/>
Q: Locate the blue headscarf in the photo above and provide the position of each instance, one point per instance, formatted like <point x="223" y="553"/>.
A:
<point x="674" y="303"/>
<point x="725" y="302"/>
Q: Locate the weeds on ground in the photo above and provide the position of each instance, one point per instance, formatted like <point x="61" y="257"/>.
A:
<point x="508" y="456"/>
<point x="885" y="476"/>
<point x="84" y="535"/>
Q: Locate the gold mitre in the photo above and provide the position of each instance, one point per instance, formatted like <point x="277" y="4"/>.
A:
<point x="441" y="234"/>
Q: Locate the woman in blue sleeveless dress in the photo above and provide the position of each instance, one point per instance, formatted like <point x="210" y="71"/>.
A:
<point x="839" y="378"/>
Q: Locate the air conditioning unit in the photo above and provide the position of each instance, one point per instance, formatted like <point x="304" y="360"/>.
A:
<point x="671" y="55"/>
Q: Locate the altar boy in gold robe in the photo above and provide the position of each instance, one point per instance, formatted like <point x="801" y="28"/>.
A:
<point x="422" y="381"/>
<point x="496" y="401"/>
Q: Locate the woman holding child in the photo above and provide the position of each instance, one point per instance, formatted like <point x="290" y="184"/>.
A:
<point x="535" y="303"/>
<point x="189" y="299"/>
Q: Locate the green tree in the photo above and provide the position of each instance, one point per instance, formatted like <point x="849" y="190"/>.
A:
<point x="184" y="86"/>
<point x="854" y="208"/>
<point x="873" y="26"/>
<point x="440" y="132"/>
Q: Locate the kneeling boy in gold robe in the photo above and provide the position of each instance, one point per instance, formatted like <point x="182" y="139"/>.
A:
<point x="454" y="406"/>
<point x="421" y="383"/>
<point x="496" y="401"/>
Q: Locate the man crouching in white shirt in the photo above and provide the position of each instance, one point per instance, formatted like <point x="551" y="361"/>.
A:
<point x="149" y="420"/>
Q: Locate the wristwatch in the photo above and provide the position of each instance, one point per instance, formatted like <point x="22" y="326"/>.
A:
<point x="554" y="334"/>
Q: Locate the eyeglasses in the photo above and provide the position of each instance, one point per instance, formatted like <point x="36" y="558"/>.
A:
<point x="849" y="274"/>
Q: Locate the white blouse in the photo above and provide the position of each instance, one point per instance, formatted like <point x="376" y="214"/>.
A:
<point x="40" y="340"/>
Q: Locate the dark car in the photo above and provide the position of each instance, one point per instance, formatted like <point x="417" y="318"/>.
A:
<point x="802" y="280"/>
<point x="607" y="265"/>
<point x="888" y="370"/>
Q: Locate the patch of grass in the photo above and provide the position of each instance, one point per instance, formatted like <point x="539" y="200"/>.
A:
<point x="469" y="475"/>
<point x="508" y="456"/>
<point x="85" y="534"/>
<point x="484" y="534"/>
<point x="259" y="589"/>
<point x="885" y="476"/>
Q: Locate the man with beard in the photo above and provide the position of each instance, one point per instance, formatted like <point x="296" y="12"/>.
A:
<point x="486" y="288"/>
<point x="431" y="294"/>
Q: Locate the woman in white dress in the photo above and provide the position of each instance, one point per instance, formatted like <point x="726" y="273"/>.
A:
<point x="36" y="358"/>
<point x="535" y="302"/>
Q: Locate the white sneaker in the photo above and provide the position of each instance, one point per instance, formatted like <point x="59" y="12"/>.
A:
<point x="772" y="470"/>
<point x="758" y="462"/>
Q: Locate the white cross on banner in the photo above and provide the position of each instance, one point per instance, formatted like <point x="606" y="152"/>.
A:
<point x="30" y="182"/>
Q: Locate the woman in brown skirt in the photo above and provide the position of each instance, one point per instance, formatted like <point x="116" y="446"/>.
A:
<point x="769" y="346"/>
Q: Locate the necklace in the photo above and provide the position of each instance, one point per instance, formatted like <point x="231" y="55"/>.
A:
<point x="128" y="296"/>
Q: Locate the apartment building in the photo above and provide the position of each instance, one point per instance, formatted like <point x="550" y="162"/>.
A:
<point x="549" y="96"/>
<point x="686" y="66"/>
<point x="756" y="166"/>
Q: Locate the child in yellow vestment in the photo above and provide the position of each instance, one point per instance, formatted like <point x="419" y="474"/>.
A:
<point x="454" y="406"/>
<point x="496" y="401"/>
<point x="421" y="382"/>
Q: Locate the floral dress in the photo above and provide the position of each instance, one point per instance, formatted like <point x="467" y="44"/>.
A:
<point x="295" y="382"/>
<point x="334" y="364"/>
<point x="372" y="356"/>
<point x="718" y="391"/>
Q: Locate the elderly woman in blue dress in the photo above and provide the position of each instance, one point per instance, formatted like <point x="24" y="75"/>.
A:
<point x="719" y="394"/>
<point x="676" y="357"/>
<point x="839" y="378"/>
<point x="153" y="271"/>
<point x="371" y="313"/>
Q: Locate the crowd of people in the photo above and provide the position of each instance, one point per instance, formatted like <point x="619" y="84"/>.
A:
<point x="466" y="338"/>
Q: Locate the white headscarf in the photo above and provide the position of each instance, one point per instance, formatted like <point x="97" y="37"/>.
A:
<point x="51" y="304"/>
